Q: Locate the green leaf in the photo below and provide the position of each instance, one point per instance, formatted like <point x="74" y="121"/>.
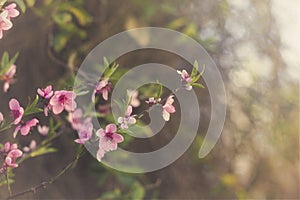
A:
<point x="42" y="151"/>
<point x="195" y="68"/>
<point x="105" y="61"/>
<point x="160" y="90"/>
<point x="32" y="108"/>
<point x="5" y="59"/>
<point x="197" y="85"/>
<point x="21" y="4"/>
<point x="109" y="68"/>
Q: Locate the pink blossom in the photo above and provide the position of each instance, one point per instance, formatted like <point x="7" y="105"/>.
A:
<point x="127" y="120"/>
<point x="5" y="23"/>
<point x="108" y="140"/>
<point x="134" y="101"/>
<point x="12" y="12"/>
<point x="185" y="77"/>
<point x="43" y="130"/>
<point x="45" y="93"/>
<point x="152" y="101"/>
<point x="26" y="127"/>
<point x="85" y="132"/>
<point x="12" y="156"/>
<point x="9" y="77"/>
<point x="31" y="147"/>
<point x="75" y="118"/>
<point x="1" y="117"/>
<point x="168" y="108"/>
<point x="16" y="110"/>
<point x="8" y="147"/>
<point x="63" y="100"/>
<point x="103" y="87"/>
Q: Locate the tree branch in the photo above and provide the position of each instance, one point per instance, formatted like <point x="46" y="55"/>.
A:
<point x="44" y="184"/>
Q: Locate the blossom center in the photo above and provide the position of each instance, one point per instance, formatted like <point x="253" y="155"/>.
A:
<point x="109" y="135"/>
<point x="62" y="99"/>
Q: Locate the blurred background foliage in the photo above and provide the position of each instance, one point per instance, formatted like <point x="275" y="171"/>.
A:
<point x="254" y="43"/>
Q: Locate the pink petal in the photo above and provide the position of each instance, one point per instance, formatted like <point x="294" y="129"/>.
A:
<point x="111" y="128"/>
<point x="32" y="122"/>
<point x="169" y="108"/>
<point x="14" y="104"/>
<point x="25" y="130"/>
<point x="57" y="109"/>
<point x="117" y="138"/>
<point x="131" y="120"/>
<point x="105" y="94"/>
<point x="128" y="111"/>
<point x="100" y="133"/>
<point x="16" y="131"/>
<point x="166" y="115"/>
<point x="100" y="154"/>
<point x="16" y="153"/>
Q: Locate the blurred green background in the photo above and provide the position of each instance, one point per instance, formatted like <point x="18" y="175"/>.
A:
<point x="255" y="44"/>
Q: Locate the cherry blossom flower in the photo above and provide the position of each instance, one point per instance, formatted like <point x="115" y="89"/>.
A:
<point x="16" y="110"/>
<point x="134" y="101"/>
<point x="12" y="156"/>
<point x="85" y="132"/>
<point x="43" y="130"/>
<point x="5" y="23"/>
<point x="1" y="117"/>
<point x="26" y="127"/>
<point x="45" y="93"/>
<point x="31" y="147"/>
<point x="185" y="77"/>
<point x="75" y="118"/>
<point x="152" y="101"/>
<point x="168" y="108"/>
<point x="63" y="100"/>
<point x="108" y="140"/>
<point x="12" y="12"/>
<point x="103" y="87"/>
<point x="8" y="147"/>
<point x="127" y="120"/>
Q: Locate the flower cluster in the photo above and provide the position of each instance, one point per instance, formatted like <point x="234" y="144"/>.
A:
<point x="11" y="153"/>
<point x="8" y="12"/>
<point x="17" y="113"/>
<point x="57" y="101"/>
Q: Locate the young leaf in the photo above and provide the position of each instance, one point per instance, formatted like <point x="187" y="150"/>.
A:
<point x="195" y="68"/>
<point x="42" y="151"/>
<point x="197" y="85"/>
<point x="160" y="90"/>
<point x="5" y="59"/>
<point x="32" y="108"/>
<point x="21" y="4"/>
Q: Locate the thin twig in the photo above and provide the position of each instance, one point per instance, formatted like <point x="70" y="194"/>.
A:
<point x="7" y="183"/>
<point x="51" y="180"/>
